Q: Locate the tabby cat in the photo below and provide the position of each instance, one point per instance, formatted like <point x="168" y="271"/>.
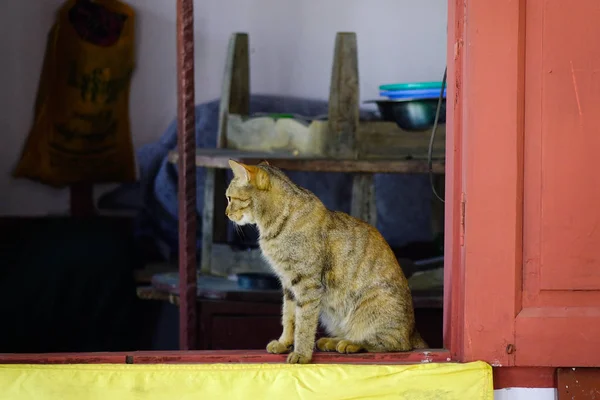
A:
<point x="331" y="266"/>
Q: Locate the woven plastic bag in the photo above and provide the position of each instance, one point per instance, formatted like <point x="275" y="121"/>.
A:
<point x="81" y="131"/>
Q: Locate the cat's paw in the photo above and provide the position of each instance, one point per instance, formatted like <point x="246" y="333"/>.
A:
<point x="347" y="347"/>
<point x="297" y="358"/>
<point x="327" y="344"/>
<point x="276" y="347"/>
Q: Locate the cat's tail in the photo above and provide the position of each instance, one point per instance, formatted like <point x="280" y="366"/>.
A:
<point x="417" y="341"/>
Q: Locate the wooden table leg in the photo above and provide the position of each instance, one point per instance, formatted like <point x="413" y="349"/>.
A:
<point x="214" y="224"/>
<point x="208" y="218"/>
<point x="363" y="198"/>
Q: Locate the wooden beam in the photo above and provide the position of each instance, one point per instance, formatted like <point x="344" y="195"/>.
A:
<point x="363" y="204"/>
<point x="343" y="98"/>
<point x="219" y="158"/>
<point x="235" y="99"/>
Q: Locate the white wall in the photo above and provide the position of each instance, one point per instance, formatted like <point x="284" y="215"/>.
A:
<point x="291" y="51"/>
<point x="525" y="394"/>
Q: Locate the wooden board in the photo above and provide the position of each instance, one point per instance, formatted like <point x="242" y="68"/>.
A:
<point x="219" y="158"/>
<point x="343" y="98"/>
<point x="363" y="205"/>
<point x="382" y="139"/>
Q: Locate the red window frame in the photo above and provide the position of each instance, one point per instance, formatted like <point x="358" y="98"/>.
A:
<point x="188" y="262"/>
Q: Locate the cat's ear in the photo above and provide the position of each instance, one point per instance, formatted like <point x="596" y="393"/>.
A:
<point x="240" y="170"/>
<point x="264" y="162"/>
<point x="259" y="178"/>
<point x="250" y="174"/>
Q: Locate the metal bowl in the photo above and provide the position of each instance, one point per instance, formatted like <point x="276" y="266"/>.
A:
<point x="411" y="114"/>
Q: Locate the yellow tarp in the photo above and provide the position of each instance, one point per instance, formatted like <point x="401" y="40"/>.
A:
<point x="471" y="381"/>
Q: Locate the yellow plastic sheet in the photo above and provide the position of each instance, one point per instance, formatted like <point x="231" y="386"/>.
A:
<point x="471" y="381"/>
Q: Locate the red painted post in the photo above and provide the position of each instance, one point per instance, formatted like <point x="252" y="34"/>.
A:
<point x="186" y="143"/>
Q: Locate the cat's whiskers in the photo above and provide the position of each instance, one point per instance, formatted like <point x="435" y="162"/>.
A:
<point x="239" y="230"/>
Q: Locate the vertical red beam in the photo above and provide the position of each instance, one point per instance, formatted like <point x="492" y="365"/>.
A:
<point x="186" y="143"/>
<point x="454" y="277"/>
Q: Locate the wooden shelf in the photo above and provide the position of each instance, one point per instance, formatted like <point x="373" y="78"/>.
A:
<point x="219" y="159"/>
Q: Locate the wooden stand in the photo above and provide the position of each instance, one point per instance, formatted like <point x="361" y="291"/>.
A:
<point x="352" y="146"/>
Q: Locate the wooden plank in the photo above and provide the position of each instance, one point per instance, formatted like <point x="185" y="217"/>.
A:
<point x="208" y="218"/>
<point x="219" y="158"/>
<point x="343" y="98"/>
<point x="363" y="204"/>
<point x="220" y="204"/>
<point x="214" y="224"/>
<point x="235" y="99"/>
<point x="382" y="139"/>
<point x="578" y="383"/>
<point x="235" y="89"/>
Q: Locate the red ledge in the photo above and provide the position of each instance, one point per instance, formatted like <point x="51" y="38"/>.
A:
<point x="260" y="356"/>
<point x="63" y="358"/>
<point x="217" y="357"/>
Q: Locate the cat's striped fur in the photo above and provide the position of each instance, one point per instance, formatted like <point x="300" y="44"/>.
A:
<point x="330" y="265"/>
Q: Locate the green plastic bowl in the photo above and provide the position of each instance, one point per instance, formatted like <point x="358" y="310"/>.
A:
<point x="411" y="86"/>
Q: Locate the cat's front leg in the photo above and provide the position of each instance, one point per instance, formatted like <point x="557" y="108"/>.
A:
<point x="288" y="316"/>
<point x="308" y="305"/>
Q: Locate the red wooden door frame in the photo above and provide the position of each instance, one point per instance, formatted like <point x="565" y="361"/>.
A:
<point x="453" y="268"/>
<point x="489" y="157"/>
<point x="484" y="160"/>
